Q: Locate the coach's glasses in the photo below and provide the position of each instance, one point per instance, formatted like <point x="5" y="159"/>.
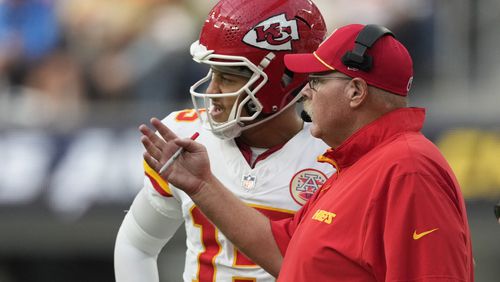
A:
<point x="315" y="80"/>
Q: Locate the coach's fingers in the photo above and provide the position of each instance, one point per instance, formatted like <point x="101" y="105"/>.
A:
<point x="152" y="162"/>
<point x="189" y="145"/>
<point x="155" y="139"/>
<point x="164" y="131"/>
<point x="151" y="148"/>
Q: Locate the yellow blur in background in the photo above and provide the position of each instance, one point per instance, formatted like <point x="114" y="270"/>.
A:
<point x="474" y="155"/>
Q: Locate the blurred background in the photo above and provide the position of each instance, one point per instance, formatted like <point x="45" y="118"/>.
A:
<point x="77" y="77"/>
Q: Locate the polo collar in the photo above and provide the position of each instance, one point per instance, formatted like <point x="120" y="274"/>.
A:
<point x="373" y="134"/>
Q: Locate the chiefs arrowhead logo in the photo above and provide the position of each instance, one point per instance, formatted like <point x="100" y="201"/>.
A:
<point x="304" y="183"/>
<point x="275" y="33"/>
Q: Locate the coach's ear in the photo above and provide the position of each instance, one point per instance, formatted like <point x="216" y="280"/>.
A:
<point x="357" y="92"/>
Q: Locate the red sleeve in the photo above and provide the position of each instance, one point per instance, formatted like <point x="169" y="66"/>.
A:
<point x="424" y="231"/>
<point x="283" y="229"/>
<point x="282" y="232"/>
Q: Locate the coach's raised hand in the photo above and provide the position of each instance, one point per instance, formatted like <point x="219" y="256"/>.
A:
<point x="190" y="171"/>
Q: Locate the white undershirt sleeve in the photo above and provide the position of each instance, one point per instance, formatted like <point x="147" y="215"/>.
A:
<point x="143" y="233"/>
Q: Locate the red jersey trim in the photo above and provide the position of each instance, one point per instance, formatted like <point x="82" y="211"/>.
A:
<point x="160" y="185"/>
<point x="247" y="152"/>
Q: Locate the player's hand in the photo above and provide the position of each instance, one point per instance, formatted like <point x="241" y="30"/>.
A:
<point x="190" y="170"/>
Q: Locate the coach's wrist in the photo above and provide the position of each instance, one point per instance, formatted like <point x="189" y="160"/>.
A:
<point x="206" y="188"/>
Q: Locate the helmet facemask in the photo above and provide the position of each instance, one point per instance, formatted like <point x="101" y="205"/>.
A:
<point x="245" y="96"/>
<point x="255" y="35"/>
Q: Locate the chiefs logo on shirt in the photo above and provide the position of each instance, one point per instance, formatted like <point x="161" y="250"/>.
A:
<point x="275" y="33"/>
<point x="304" y="183"/>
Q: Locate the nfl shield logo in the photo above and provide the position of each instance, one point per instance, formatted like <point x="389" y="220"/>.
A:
<point x="248" y="181"/>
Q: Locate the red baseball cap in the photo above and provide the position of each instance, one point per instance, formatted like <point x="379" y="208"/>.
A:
<point x="392" y="68"/>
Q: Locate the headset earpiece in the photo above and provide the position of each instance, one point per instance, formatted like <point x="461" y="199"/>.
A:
<point x="366" y="38"/>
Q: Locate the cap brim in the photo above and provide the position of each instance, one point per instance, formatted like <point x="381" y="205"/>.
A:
<point x="304" y="63"/>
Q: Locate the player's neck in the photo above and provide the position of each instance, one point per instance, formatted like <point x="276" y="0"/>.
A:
<point x="277" y="130"/>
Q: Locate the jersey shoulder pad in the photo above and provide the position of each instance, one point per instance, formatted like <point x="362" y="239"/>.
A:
<point x="184" y="122"/>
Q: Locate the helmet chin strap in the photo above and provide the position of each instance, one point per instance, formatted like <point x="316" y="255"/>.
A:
<point x="233" y="127"/>
<point x="230" y="132"/>
<point x="234" y="130"/>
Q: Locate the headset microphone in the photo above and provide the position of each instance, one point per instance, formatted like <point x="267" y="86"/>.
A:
<point x="305" y="116"/>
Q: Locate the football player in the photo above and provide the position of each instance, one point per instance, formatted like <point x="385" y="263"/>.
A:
<point x="245" y="112"/>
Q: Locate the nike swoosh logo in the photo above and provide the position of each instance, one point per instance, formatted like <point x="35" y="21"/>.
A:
<point x="417" y="236"/>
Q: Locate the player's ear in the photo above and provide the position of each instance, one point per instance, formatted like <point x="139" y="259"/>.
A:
<point x="357" y="91"/>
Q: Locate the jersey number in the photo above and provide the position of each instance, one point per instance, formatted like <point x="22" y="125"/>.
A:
<point x="188" y="115"/>
<point x="212" y="247"/>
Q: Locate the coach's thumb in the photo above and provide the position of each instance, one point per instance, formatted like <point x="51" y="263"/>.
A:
<point x="189" y="145"/>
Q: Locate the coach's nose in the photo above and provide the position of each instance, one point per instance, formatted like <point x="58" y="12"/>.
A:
<point x="307" y="92"/>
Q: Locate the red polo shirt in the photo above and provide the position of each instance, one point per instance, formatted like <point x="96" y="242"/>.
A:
<point x="392" y="212"/>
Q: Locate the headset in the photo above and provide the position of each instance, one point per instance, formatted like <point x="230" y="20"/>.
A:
<point x="366" y="38"/>
<point x="357" y="58"/>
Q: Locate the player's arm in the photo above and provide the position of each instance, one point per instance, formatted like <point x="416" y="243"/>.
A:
<point x="143" y="233"/>
<point x="249" y="230"/>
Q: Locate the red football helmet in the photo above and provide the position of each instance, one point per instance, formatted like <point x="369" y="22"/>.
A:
<point x="256" y="34"/>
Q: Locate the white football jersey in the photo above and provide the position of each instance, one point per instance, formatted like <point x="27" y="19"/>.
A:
<point x="277" y="185"/>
